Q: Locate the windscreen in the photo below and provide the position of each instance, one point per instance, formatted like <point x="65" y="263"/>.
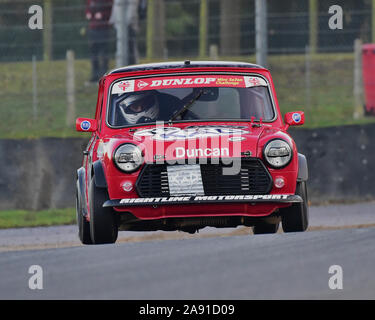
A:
<point x="194" y="98"/>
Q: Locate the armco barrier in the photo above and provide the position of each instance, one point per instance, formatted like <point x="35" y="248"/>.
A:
<point x="40" y="174"/>
<point x="341" y="162"/>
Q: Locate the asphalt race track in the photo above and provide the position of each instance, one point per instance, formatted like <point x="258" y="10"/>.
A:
<point x="279" y="266"/>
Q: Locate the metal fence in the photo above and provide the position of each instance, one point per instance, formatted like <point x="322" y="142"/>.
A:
<point x="312" y="65"/>
<point x="229" y="23"/>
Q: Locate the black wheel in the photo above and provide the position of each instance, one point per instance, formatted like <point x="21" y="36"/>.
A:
<point x="264" y="227"/>
<point x="103" y="226"/>
<point x="83" y="224"/>
<point x="296" y="217"/>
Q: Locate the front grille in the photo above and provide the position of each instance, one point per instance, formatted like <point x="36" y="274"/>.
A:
<point x="253" y="178"/>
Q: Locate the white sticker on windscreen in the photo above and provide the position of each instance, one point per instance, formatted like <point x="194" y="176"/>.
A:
<point x="123" y="87"/>
<point x="254" y="82"/>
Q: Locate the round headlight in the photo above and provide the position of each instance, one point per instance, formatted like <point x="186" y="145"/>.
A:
<point x="128" y="157"/>
<point x="277" y="153"/>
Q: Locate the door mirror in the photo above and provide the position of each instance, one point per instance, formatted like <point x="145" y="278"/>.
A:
<point x="295" y="118"/>
<point x="86" y="125"/>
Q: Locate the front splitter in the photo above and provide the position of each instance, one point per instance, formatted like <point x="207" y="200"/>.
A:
<point x="176" y="200"/>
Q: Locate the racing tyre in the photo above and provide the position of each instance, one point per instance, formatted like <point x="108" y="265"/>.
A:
<point x="83" y="224"/>
<point x="296" y="217"/>
<point x="264" y="227"/>
<point x="103" y="226"/>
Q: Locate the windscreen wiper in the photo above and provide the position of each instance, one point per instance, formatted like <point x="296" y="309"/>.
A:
<point x="186" y="106"/>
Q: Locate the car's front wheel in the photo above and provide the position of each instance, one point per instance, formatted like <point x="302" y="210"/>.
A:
<point x="103" y="225"/>
<point x="296" y="217"/>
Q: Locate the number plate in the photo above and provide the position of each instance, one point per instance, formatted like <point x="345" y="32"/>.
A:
<point x="185" y="180"/>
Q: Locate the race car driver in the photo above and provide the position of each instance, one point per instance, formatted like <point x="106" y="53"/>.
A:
<point x="148" y="106"/>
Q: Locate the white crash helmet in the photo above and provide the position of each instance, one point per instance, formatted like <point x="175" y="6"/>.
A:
<point x="140" y="105"/>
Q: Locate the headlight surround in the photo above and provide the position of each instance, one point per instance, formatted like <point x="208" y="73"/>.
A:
<point x="277" y="153"/>
<point x="128" y="157"/>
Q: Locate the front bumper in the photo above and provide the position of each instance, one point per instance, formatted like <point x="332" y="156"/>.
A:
<point x="183" y="200"/>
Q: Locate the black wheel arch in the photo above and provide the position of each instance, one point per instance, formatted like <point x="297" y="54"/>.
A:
<point x="99" y="176"/>
<point x="303" y="173"/>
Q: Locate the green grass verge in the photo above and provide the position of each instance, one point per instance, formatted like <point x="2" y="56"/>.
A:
<point x="16" y="99"/>
<point x="326" y="98"/>
<point x="21" y="218"/>
<point x="328" y="102"/>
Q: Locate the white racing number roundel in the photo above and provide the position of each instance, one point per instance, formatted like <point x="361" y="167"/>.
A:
<point x="296" y="117"/>
<point x="85" y="125"/>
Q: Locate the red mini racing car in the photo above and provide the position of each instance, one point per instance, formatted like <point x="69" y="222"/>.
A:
<point x="185" y="145"/>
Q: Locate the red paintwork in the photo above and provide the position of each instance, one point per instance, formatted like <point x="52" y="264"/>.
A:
<point x="368" y="64"/>
<point x="255" y="141"/>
